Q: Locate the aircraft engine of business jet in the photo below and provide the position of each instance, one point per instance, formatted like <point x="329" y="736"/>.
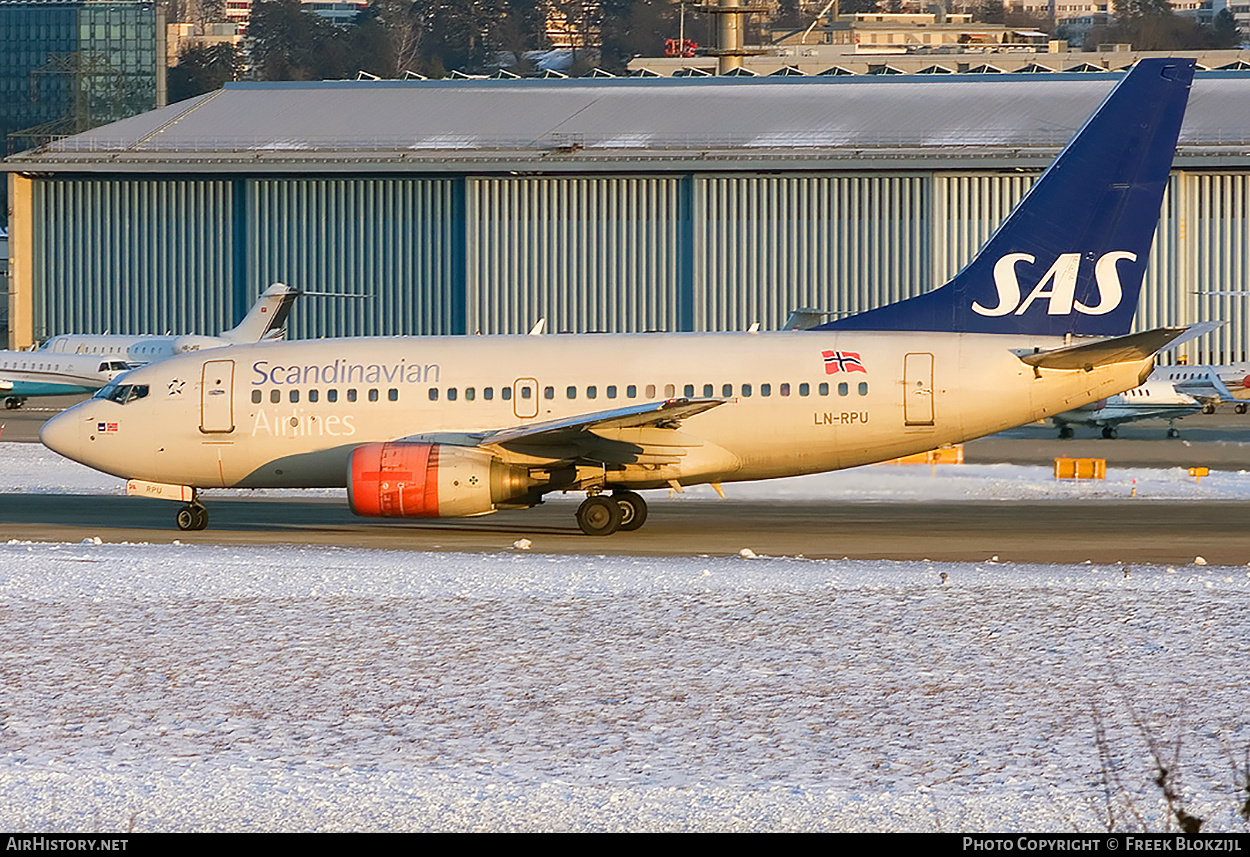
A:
<point x="1036" y="324"/>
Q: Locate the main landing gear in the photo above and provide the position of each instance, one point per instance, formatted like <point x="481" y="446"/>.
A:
<point x="603" y="515"/>
<point x="192" y="516"/>
<point x="13" y="402"/>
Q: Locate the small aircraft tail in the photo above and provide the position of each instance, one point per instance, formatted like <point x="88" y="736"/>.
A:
<point x="1071" y="255"/>
<point x="267" y="317"/>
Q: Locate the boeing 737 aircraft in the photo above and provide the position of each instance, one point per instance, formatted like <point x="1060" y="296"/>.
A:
<point x="264" y="320"/>
<point x="1035" y="325"/>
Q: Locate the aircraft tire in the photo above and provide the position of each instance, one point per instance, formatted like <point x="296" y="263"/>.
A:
<point x="633" y="509"/>
<point x="1241" y="409"/>
<point x="599" y="516"/>
<point x="1173" y="433"/>
<point x="1110" y="433"/>
<point x="192" y="517"/>
<point x="1065" y="432"/>
<point x="12" y="403"/>
<point x="1208" y="409"/>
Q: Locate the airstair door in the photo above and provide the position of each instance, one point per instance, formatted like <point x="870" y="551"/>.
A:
<point x="217" y="397"/>
<point x="918" y="390"/>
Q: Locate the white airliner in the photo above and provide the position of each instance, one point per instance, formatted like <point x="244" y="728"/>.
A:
<point x="264" y="320"/>
<point x="72" y="364"/>
<point x="1035" y="325"/>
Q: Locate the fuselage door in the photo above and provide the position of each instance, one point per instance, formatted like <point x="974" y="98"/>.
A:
<point x="918" y="389"/>
<point x="217" y="397"/>
<point x="525" y="397"/>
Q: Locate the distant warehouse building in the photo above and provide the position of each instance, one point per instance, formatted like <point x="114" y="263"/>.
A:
<point x="598" y="204"/>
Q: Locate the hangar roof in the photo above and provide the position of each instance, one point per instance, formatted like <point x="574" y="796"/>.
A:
<point x="634" y="124"/>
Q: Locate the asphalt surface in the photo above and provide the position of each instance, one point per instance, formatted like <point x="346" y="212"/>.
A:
<point x="1103" y="531"/>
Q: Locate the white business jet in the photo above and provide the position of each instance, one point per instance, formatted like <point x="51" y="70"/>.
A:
<point x="265" y="320"/>
<point x="1035" y="325"/>
<point x="77" y="363"/>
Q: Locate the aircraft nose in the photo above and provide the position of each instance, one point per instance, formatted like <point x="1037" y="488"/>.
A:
<point x="62" y="434"/>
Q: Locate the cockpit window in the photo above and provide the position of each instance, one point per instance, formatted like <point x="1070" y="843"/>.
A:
<point x="122" y="393"/>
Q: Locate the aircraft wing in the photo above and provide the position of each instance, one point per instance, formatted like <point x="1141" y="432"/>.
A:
<point x="632" y="434"/>
<point x="1205" y="388"/>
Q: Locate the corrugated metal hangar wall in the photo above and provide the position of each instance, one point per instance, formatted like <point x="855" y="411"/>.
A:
<point x="609" y="250"/>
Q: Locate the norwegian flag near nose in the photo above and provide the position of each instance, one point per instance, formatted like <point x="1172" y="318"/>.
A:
<point x="842" y="361"/>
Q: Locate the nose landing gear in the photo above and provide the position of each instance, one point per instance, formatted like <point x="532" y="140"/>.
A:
<point x="192" y="516"/>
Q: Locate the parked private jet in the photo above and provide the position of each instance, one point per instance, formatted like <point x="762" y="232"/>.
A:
<point x="264" y="320"/>
<point x="31" y="373"/>
<point x="1154" y="400"/>
<point x="76" y="363"/>
<point x="1035" y="325"/>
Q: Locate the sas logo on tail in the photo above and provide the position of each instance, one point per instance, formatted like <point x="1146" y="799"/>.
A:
<point x="1060" y="297"/>
<point x="842" y="361"/>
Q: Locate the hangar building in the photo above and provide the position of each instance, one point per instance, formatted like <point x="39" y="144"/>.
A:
<point x="598" y="204"/>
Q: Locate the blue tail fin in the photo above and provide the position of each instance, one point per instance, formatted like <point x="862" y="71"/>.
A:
<point x="1071" y="255"/>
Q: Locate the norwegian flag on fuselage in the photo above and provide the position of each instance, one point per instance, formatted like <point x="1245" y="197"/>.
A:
<point x="842" y="361"/>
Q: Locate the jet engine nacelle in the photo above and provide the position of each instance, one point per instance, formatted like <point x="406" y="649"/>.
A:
<point x="406" y="479"/>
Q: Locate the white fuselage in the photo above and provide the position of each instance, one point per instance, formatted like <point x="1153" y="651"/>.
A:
<point x="289" y="414"/>
<point x="1156" y="399"/>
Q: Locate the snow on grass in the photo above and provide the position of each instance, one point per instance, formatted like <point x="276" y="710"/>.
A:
<point x="180" y="687"/>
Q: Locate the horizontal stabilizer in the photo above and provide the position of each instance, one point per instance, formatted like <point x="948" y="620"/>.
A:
<point x="1104" y="352"/>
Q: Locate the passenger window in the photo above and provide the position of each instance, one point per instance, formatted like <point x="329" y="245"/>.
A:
<point x="313" y="395"/>
<point x="727" y="390"/>
<point x="488" y="393"/>
<point x="592" y="392"/>
<point x="293" y="396"/>
<point x="611" y="392"/>
<point x="392" y="394"/>
<point x="256" y="397"/>
<point x="351" y="394"/>
<point x="823" y="389"/>
<point x="470" y="394"/>
<point x="275" y="396"/>
<point x="707" y="390"/>
<point x="434" y="394"/>
<point x="688" y="391"/>
<point x="333" y="395"/>
<point x="570" y="393"/>
<point x="549" y="392"/>
<point x="746" y="391"/>
<point x="631" y="392"/>
<point x="506" y="394"/>
<point x="669" y="391"/>
<point x="843" y="389"/>
<point x="784" y="390"/>
<point x="766" y="390"/>
<point x="863" y="388"/>
<point x="373" y="394"/>
<point x="526" y="393"/>
<point x="804" y="389"/>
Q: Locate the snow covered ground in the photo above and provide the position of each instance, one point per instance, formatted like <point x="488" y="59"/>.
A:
<point x="33" y="468"/>
<point x="181" y="687"/>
